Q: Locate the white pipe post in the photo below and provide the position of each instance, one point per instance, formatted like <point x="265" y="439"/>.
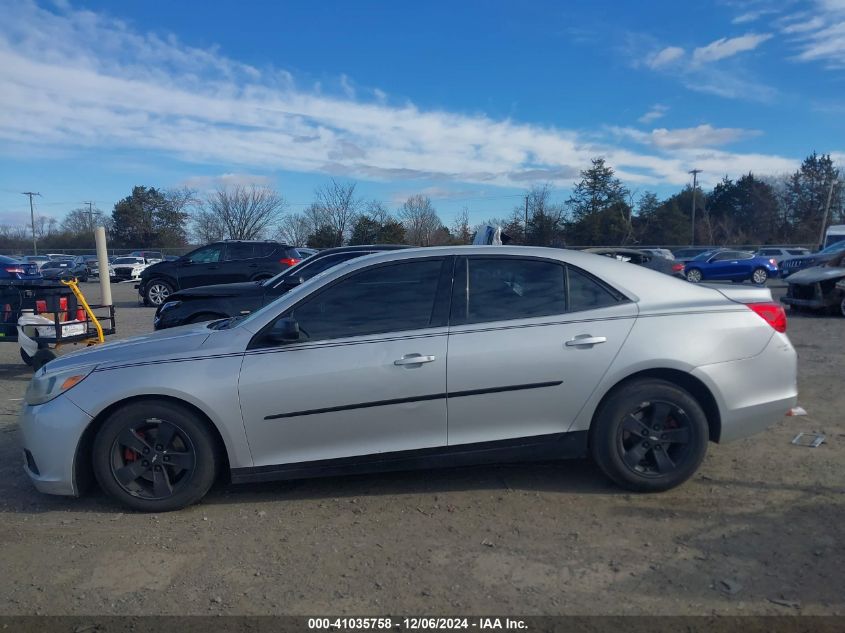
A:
<point x="103" y="263"/>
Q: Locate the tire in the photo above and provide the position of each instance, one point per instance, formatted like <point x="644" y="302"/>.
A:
<point x="157" y="292"/>
<point x="759" y="276"/>
<point x="623" y="434"/>
<point x="26" y="357"/>
<point x="842" y="306"/>
<point x="694" y="275"/>
<point x="41" y="358"/>
<point x="140" y="484"/>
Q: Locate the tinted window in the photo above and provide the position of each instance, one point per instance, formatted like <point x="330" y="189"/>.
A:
<point x="384" y="299"/>
<point x="498" y="289"/>
<point x="207" y="255"/>
<point x="770" y="251"/>
<point x="264" y="249"/>
<point x="797" y="251"/>
<point x="721" y="257"/>
<point x="239" y="250"/>
<point x="585" y="293"/>
<point x="318" y="266"/>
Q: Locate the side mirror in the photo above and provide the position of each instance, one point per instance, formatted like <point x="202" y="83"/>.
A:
<point x="292" y="281"/>
<point x="284" y="331"/>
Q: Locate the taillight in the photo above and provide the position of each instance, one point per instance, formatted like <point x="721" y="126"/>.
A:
<point x="290" y="261"/>
<point x="771" y="313"/>
<point x="15" y="269"/>
<point x="677" y="268"/>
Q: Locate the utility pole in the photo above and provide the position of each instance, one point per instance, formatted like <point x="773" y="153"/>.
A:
<point x="525" y="226"/>
<point x="694" y="173"/>
<point x="826" y="211"/>
<point x="32" y="219"/>
<point x="90" y="214"/>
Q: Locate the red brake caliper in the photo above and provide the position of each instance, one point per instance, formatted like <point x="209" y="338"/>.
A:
<point x="128" y="454"/>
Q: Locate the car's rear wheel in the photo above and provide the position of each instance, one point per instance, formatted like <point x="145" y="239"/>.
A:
<point x="154" y="457"/>
<point x="157" y="292"/>
<point x="842" y="306"/>
<point x="759" y="276"/>
<point x="650" y="435"/>
<point x="693" y="275"/>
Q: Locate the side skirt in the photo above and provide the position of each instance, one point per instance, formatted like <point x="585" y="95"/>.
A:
<point x="525" y="449"/>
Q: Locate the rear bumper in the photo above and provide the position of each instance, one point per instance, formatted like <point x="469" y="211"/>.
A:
<point x="754" y="393"/>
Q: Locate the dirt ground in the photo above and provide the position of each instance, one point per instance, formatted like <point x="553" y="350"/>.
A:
<point x="759" y="530"/>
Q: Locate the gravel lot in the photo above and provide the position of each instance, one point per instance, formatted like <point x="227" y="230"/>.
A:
<point x="760" y="529"/>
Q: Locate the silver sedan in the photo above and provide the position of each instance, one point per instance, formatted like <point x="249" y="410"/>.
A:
<point x="420" y="358"/>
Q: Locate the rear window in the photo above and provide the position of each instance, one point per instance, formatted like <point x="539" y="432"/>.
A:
<point x="586" y="293"/>
<point x="265" y="249"/>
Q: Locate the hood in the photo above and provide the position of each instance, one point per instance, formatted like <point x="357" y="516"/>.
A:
<point x="816" y="274"/>
<point x="247" y="288"/>
<point x="163" y="266"/>
<point x="162" y="344"/>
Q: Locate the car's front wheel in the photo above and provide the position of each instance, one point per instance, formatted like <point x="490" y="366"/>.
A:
<point x="154" y="457"/>
<point x="650" y="435"/>
<point x="157" y="292"/>
<point x="694" y="275"/>
<point x="759" y="276"/>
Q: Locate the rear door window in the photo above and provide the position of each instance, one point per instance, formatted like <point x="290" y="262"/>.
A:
<point x="499" y="289"/>
<point x="586" y="292"/>
<point x="237" y="251"/>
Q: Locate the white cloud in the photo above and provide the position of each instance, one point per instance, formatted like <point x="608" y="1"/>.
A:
<point x="657" y="111"/>
<point x="665" y="57"/>
<point x="686" y="138"/>
<point x="818" y="34"/>
<point x="210" y="183"/>
<point x="73" y="79"/>
<point x="728" y="47"/>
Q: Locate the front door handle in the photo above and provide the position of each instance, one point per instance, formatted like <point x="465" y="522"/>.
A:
<point x="414" y="359"/>
<point x="586" y="339"/>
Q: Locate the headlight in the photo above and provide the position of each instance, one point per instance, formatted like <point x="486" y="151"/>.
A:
<point x="45" y="385"/>
<point x="170" y="305"/>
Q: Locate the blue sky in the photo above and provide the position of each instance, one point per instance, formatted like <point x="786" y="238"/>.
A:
<point x="468" y="102"/>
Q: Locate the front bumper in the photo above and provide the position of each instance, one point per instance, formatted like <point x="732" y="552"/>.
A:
<point x="51" y="433"/>
<point x="754" y="393"/>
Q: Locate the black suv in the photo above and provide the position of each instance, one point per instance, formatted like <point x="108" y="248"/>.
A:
<point x="230" y="300"/>
<point x="218" y="263"/>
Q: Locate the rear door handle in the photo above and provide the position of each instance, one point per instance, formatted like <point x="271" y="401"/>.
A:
<point x="586" y="339"/>
<point x="414" y="359"/>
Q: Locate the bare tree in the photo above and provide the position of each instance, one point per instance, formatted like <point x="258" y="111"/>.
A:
<point x="338" y="206"/>
<point x="207" y="227"/>
<point x="421" y="220"/>
<point x="460" y="228"/>
<point x="294" y="229"/>
<point x="78" y="221"/>
<point x="243" y="213"/>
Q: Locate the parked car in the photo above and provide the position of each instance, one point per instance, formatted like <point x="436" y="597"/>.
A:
<point x="642" y="258"/>
<point x="687" y="254"/>
<point x="819" y="287"/>
<point x="151" y="257"/>
<point x="127" y="268"/>
<point x="781" y="253"/>
<point x="38" y="260"/>
<point x="662" y="252"/>
<point x="794" y="264"/>
<point x="218" y="263"/>
<point x="205" y="303"/>
<point x="12" y="268"/>
<point x="730" y="265"/>
<point x="72" y="268"/>
<point x="551" y="353"/>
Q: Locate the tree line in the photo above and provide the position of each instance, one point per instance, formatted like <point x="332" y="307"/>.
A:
<point x="601" y="210"/>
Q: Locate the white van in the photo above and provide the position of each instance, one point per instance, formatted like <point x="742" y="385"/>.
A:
<point x="834" y="234"/>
